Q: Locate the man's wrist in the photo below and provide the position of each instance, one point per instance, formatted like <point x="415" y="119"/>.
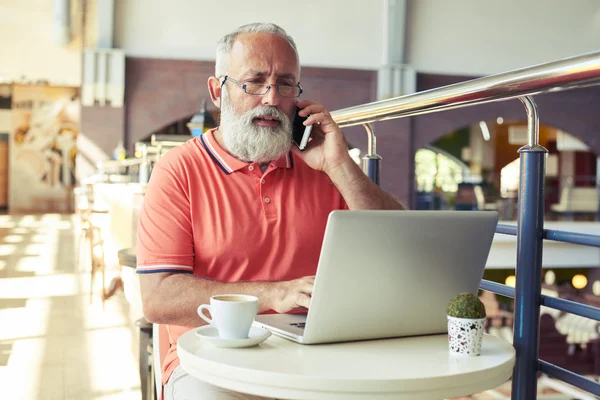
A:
<point x="342" y="170"/>
<point x="271" y="293"/>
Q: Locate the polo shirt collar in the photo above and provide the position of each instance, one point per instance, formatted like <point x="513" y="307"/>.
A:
<point x="227" y="162"/>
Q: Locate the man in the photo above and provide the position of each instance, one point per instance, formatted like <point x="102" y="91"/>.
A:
<point x="237" y="210"/>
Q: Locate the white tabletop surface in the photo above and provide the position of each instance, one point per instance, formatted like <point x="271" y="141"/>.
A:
<point x="407" y="368"/>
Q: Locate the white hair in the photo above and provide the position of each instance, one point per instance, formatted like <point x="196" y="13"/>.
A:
<point x="226" y="43"/>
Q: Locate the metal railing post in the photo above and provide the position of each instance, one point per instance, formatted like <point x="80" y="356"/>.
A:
<point x="372" y="161"/>
<point x="529" y="259"/>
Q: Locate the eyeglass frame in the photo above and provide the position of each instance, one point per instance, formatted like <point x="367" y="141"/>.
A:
<point x="267" y="87"/>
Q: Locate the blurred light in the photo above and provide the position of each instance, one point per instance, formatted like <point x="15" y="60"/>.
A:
<point x="51" y="219"/>
<point x="511" y="281"/>
<point x="579" y="281"/>
<point x="485" y="132"/>
<point x="500" y="120"/>
<point x="355" y="155"/>
<point x="13" y="239"/>
<point x="550" y="277"/>
<point x="51" y="285"/>
<point x="27" y="221"/>
<point x="7" y="249"/>
<point x="98" y="251"/>
<point x="596" y="288"/>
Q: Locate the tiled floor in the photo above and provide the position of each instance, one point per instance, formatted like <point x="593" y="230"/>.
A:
<point x="54" y="344"/>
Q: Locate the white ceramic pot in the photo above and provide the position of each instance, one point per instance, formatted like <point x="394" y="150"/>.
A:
<point x="465" y="335"/>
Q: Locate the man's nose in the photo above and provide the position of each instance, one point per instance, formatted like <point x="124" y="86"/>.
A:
<point x="271" y="98"/>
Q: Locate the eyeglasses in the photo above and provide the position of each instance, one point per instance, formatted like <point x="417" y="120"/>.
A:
<point x="260" y="90"/>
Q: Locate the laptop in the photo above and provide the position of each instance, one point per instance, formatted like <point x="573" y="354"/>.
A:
<point x="384" y="274"/>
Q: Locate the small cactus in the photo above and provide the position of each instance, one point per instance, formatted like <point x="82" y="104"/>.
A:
<point x="466" y="305"/>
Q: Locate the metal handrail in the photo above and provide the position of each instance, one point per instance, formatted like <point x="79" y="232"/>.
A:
<point x="555" y="235"/>
<point x="570" y="73"/>
<point x="572" y="307"/>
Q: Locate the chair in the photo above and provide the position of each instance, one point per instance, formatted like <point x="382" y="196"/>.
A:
<point x="156" y="362"/>
<point x="577" y="200"/>
<point x="96" y="244"/>
<point x="83" y="197"/>
<point x="469" y="197"/>
<point x="146" y="360"/>
<point x="91" y="236"/>
<point x="160" y="346"/>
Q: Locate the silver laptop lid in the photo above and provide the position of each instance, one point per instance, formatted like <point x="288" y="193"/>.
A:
<point x="392" y="273"/>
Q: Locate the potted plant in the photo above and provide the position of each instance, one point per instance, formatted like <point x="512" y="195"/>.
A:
<point x="466" y="322"/>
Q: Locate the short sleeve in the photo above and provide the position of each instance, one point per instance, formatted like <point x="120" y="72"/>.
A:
<point x="164" y="234"/>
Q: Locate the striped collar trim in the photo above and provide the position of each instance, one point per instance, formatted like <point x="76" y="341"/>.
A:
<point x="227" y="163"/>
<point x="286" y="161"/>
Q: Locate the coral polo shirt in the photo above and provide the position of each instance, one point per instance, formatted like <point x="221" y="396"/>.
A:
<point x="208" y="214"/>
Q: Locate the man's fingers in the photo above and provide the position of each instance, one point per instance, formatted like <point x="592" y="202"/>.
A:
<point x="303" y="300"/>
<point x="311" y="109"/>
<point x="305" y="103"/>
<point x="318" y="119"/>
<point x="307" y="288"/>
<point x="308" y="283"/>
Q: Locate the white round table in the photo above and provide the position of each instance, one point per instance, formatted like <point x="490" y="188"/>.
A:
<point x="412" y="368"/>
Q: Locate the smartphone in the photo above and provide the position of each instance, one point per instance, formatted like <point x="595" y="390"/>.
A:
<point x="300" y="133"/>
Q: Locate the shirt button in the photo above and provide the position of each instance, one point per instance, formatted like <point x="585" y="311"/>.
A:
<point x="267" y="200"/>
<point x="263" y="181"/>
<point x="251" y="167"/>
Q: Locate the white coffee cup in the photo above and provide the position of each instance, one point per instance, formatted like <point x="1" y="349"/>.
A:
<point x="232" y="314"/>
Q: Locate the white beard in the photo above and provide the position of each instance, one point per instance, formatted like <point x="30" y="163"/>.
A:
<point x="250" y="142"/>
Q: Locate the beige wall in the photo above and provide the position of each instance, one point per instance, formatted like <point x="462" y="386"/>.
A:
<point x="5" y="121"/>
<point x="331" y="33"/>
<point x="474" y="37"/>
<point x="27" y="45"/>
<point x="464" y="37"/>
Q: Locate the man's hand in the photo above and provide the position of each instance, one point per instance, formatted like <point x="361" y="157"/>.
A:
<point x="288" y="295"/>
<point x="328" y="152"/>
<point x="327" y="149"/>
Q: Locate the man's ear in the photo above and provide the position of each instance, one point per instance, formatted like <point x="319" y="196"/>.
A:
<point x="214" y="87"/>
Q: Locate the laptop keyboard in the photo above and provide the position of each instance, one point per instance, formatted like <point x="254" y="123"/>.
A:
<point x="299" y="324"/>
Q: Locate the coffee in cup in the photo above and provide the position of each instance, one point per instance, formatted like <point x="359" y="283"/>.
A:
<point x="231" y="314"/>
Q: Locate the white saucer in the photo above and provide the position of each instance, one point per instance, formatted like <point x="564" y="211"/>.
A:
<point x="210" y="334"/>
